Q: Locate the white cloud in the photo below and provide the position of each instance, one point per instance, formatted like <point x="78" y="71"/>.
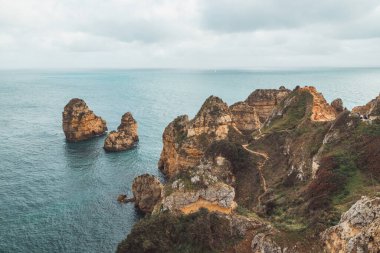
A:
<point x="191" y="33"/>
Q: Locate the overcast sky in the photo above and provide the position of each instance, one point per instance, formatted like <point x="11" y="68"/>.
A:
<point x="189" y="33"/>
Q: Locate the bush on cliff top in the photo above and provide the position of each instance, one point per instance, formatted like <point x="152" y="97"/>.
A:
<point x="198" y="232"/>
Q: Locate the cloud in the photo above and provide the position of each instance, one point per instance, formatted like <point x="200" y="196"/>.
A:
<point x="242" y="16"/>
<point x="189" y="34"/>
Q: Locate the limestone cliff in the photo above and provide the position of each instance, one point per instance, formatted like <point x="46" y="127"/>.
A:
<point x="358" y="229"/>
<point x="80" y="123"/>
<point x="286" y="160"/>
<point x="371" y="110"/>
<point x="147" y="192"/>
<point x="321" y="110"/>
<point x="184" y="141"/>
<point x="245" y="117"/>
<point x="125" y="137"/>
<point x="265" y="100"/>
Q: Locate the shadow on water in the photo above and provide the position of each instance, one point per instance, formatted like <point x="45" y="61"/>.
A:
<point x="84" y="154"/>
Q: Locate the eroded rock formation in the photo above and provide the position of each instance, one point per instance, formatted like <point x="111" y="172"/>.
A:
<point x="358" y="229"/>
<point x="80" y="123"/>
<point x="245" y="117"/>
<point x="147" y="192"/>
<point x="125" y="137"/>
<point x="185" y="141"/>
<point x="265" y="100"/>
<point x="321" y="110"/>
<point x="294" y="174"/>
<point x="370" y="110"/>
<point x="337" y="104"/>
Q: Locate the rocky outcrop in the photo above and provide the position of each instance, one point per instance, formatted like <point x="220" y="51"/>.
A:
<point x="262" y="243"/>
<point x="184" y="141"/>
<point x="147" y="192"/>
<point x="321" y="110"/>
<point x="370" y="110"/>
<point x="245" y="117"/>
<point x="337" y="104"/>
<point x="204" y="186"/>
<point x="265" y="100"/>
<point x="358" y="229"/>
<point x="216" y="197"/>
<point x="125" y="137"/>
<point x="80" y="123"/>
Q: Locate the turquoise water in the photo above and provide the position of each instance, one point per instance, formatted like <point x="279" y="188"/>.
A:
<point x="61" y="197"/>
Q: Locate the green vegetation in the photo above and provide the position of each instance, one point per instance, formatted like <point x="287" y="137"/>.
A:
<point x="247" y="213"/>
<point x="369" y="129"/>
<point x="293" y="113"/>
<point x="198" y="232"/>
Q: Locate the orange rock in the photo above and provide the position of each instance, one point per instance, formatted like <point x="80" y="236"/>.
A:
<point x="80" y="123"/>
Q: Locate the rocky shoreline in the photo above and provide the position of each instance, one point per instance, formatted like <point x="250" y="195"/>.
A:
<point x="273" y="173"/>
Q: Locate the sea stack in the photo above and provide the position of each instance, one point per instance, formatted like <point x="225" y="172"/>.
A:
<point x="80" y="123"/>
<point x="125" y="137"/>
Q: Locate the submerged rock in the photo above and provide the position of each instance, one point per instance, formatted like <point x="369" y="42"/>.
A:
<point x="358" y="229"/>
<point x="125" y="137"/>
<point x="147" y="191"/>
<point x="80" y="123"/>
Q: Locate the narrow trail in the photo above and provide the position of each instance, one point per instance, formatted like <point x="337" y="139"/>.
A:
<point x="260" y="169"/>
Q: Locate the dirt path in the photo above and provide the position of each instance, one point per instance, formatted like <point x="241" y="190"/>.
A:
<point x="260" y="169"/>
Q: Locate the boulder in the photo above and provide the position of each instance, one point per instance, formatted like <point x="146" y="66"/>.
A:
<point x="80" y="123"/>
<point x="358" y="229"/>
<point x="147" y="191"/>
<point x="262" y="243"/>
<point x="125" y="137"/>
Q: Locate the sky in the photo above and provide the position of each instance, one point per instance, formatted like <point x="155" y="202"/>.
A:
<point x="196" y="34"/>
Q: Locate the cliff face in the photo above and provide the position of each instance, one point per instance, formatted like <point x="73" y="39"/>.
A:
<point x="80" y="123"/>
<point x="295" y="169"/>
<point x="358" y="229"/>
<point x="245" y="117"/>
<point x="147" y="192"/>
<point x="185" y="141"/>
<point x="125" y="137"/>
<point x="321" y="110"/>
<point x="371" y="109"/>
<point x="265" y="100"/>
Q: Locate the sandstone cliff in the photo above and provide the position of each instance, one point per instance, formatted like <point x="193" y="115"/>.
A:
<point x="80" y="123"/>
<point x="125" y="137"/>
<point x="185" y="141"/>
<point x="287" y="161"/>
<point x="370" y="110"/>
<point x="245" y="117"/>
<point x="265" y="100"/>
<point x="321" y="110"/>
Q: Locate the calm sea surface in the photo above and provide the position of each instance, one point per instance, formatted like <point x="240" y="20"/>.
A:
<point x="61" y="197"/>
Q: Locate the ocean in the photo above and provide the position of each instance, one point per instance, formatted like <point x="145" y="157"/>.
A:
<point x="61" y="197"/>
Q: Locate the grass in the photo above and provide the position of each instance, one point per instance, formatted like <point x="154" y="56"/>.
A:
<point x="293" y="115"/>
<point x="247" y="213"/>
<point x="369" y="129"/>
